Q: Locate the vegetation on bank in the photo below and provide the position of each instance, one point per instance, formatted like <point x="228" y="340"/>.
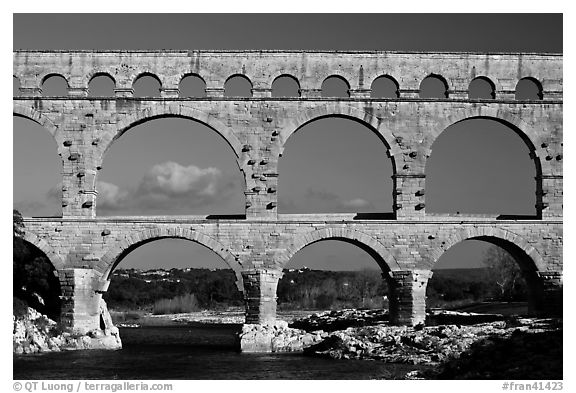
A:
<point x="167" y="291"/>
<point x="34" y="279"/>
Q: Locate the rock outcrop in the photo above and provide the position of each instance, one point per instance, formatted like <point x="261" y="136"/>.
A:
<point x="34" y="333"/>
<point x="330" y="321"/>
<point x="442" y="345"/>
<point x="276" y="337"/>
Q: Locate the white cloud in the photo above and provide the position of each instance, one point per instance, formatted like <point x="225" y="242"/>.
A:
<point x="169" y="188"/>
<point x="110" y="196"/>
<point x="356" y="203"/>
<point x="174" y="179"/>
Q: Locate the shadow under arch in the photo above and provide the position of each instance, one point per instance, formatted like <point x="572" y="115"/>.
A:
<point x="54" y="258"/>
<point x="36" y="278"/>
<point x="130" y="242"/>
<point x="526" y="256"/>
<point x="374" y="248"/>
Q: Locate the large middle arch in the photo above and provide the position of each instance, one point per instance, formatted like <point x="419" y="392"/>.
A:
<point x="37" y="117"/>
<point x="523" y="129"/>
<point x="131" y="241"/>
<point x="158" y="111"/>
<point x="383" y="257"/>
<point x="335" y="110"/>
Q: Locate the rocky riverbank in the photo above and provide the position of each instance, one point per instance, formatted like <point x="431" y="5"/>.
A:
<point x="524" y="347"/>
<point x="277" y="337"/>
<point x="36" y="333"/>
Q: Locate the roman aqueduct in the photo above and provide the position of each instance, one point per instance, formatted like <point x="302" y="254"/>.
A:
<point x="85" y="248"/>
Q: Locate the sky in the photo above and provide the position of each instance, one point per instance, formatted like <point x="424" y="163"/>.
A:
<point x="192" y="170"/>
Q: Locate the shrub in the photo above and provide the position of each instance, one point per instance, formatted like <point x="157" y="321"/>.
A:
<point x="179" y="304"/>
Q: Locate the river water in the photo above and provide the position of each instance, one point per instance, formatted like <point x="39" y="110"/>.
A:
<point x="191" y="353"/>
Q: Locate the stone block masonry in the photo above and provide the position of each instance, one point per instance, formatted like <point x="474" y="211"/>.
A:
<point x="86" y="248"/>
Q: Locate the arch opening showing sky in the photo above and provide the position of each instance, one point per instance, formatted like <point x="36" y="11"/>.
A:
<point x="480" y="166"/>
<point x="334" y="165"/>
<point x="170" y="166"/>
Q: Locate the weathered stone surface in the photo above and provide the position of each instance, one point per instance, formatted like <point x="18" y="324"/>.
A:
<point x="276" y="337"/>
<point x="337" y="320"/>
<point x="426" y="345"/>
<point x="85" y="248"/>
<point x="35" y="332"/>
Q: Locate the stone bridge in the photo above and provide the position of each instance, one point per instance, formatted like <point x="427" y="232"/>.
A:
<point x="85" y="248"/>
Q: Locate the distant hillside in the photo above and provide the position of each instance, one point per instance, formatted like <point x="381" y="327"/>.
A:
<point x="133" y="289"/>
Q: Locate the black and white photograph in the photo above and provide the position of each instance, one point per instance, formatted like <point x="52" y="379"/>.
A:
<point x="287" y="196"/>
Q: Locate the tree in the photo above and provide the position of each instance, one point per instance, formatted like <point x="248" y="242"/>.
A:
<point x="34" y="278"/>
<point x="503" y="271"/>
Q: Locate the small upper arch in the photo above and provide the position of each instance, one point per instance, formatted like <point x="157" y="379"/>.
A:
<point x="192" y="85"/>
<point x="147" y="84"/>
<point x="434" y="86"/>
<point x="335" y="86"/>
<point x="285" y="85"/>
<point x="96" y="73"/>
<point x="54" y="85"/>
<point x="238" y="85"/>
<point x="101" y="84"/>
<point x="481" y="87"/>
<point x="529" y="88"/>
<point x="384" y="86"/>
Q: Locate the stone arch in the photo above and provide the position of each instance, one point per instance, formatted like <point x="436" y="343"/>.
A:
<point x="157" y="112"/>
<point x="238" y="76"/>
<point x="188" y="74"/>
<point x="336" y="109"/>
<point x="131" y="241"/>
<point x="383" y="257"/>
<point x="347" y="77"/>
<point x="98" y="72"/>
<point x="278" y="73"/>
<point x="45" y="75"/>
<point x="46" y="248"/>
<point x="447" y="84"/>
<point x="104" y="75"/>
<point x="536" y="84"/>
<point x="497" y="236"/>
<point x="487" y="80"/>
<point x="289" y="76"/>
<point x="149" y="73"/>
<point x="528" y="134"/>
<point x="384" y="76"/>
<point x="38" y="117"/>
<point x="339" y="76"/>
